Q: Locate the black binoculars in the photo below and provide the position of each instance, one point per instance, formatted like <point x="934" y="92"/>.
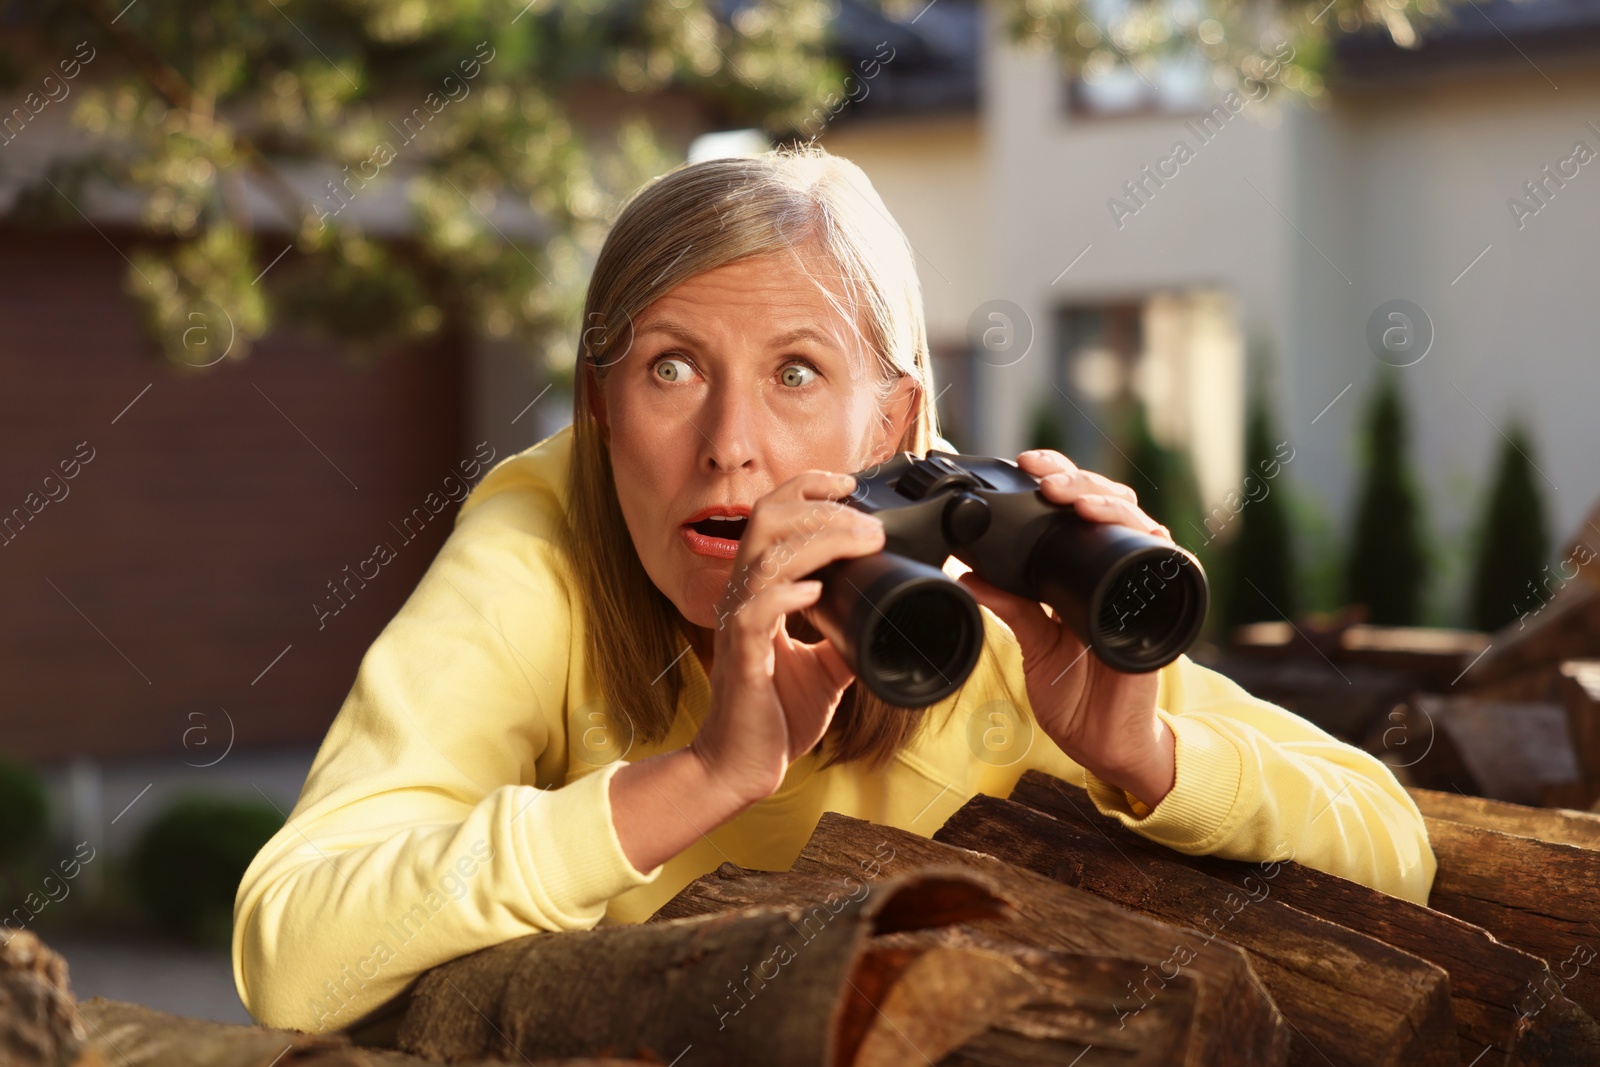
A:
<point x="912" y="634"/>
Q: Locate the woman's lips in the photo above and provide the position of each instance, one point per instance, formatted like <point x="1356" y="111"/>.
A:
<point x="701" y="545"/>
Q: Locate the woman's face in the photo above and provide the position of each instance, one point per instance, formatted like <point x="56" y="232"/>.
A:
<point x="736" y="380"/>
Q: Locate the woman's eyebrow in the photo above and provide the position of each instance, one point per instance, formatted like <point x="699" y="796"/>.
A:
<point x="667" y="326"/>
<point x="804" y="333"/>
<point x="688" y="336"/>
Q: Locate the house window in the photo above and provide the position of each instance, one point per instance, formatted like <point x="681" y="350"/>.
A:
<point x="1179" y="356"/>
<point x="1177" y="83"/>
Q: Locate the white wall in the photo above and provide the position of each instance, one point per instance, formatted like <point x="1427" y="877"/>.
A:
<point x="1054" y="175"/>
<point x="930" y="174"/>
<point x="1408" y="188"/>
<point x="1378" y="197"/>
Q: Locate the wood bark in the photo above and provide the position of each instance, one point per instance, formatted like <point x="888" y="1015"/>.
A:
<point x="1561" y="825"/>
<point x="39" y="1024"/>
<point x="1510" y="750"/>
<point x="1563" y="627"/>
<point x="1584" y="548"/>
<point x="1491" y="984"/>
<point x="1236" y="1022"/>
<point x="1438" y="656"/>
<point x="1080" y="1011"/>
<point x="1078" y="1019"/>
<point x="1580" y="692"/>
<point x="769" y="985"/>
<point x="129" y="1035"/>
<point x="913" y="1000"/>
<point x="1539" y="896"/>
<point x="1350" y="998"/>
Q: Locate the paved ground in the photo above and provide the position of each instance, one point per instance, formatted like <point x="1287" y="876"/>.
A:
<point x="157" y="975"/>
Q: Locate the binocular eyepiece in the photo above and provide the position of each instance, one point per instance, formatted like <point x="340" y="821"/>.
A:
<point x="912" y="634"/>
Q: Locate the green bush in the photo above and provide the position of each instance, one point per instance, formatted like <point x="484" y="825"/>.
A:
<point x="1261" y="582"/>
<point x="1047" y="430"/>
<point x="24" y="811"/>
<point x="1514" y="542"/>
<point x="1162" y="477"/>
<point x="1388" y="565"/>
<point x="187" y="865"/>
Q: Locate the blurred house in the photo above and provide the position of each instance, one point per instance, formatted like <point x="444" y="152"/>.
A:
<point x="1066" y="211"/>
<point x="181" y="594"/>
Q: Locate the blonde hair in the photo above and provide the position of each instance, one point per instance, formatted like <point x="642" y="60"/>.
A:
<point x="695" y="218"/>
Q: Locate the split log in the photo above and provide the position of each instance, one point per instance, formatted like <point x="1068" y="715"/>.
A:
<point x="1539" y="683"/>
<point x="1350" y="998"/>
<point x="1563" y="826"/>
<point x="1438" y="656"/>
<point x="1344" y="699"/>
<point x="1540" y="896"/>
<point x="1077" y="1019"/>
<point x="910" y="999"/>
<point x="1514" y="752"/>
<point x="1580" y="693"/>
<point x="129" y="1035"/>
<point x="1584" y="548"/>
<point x="1492" y="985"/>
<point x="1085" y="1008"/>
<point x="1344" y="674"/>
<point x="770" y="986"/>
<point x="1565" y="625"/>
<point x="1236" y="1022"/>
<point x="39" y="1024"/>
<point x="1314" y="634"/>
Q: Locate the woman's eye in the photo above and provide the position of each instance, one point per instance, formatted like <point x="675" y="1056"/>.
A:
<point x="798" y="374"/>
<point x="671" y="369"/>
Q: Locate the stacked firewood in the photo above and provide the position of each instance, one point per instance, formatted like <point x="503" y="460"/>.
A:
<point x="43" y="1025"/>
<point x="1028" y="930"/>
<point x="1511" y="716"/>
<point x="1034" y="930"/>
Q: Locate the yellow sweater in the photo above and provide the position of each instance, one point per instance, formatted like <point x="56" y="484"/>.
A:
<point x="460" y="798"/>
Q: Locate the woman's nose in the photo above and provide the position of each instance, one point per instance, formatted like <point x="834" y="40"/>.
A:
<point x="729" y="424"/>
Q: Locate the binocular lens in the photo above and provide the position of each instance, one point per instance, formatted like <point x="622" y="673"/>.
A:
<point x="910" y="633"/>
<point x="922" y="638"/>
<point x="1150" y="613"/>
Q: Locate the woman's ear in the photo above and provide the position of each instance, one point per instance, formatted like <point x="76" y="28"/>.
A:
<point x="897" y="413"/>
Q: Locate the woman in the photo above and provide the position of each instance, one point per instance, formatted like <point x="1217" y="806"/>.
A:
<point x="601" y="689"/>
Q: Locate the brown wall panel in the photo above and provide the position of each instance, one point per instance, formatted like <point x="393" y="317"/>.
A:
<point x="194" y="543"/>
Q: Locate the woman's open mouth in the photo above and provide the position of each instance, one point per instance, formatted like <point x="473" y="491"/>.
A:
<point x="715" y="535"/>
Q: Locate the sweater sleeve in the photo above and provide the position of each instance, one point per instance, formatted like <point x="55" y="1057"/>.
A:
<point x="422" y="833"/>
<point x="1257" y="782"/>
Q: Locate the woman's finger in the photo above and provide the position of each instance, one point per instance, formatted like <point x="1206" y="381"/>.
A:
<point x="794" y="540"/>
<point x="1114" y="509"/>
<point x="754" y="622"/>
<point x="1041" y="461"/>
<point x="814" y="484"/>
<point x="1065" y="488"/>
<point x="1111" y="488"/>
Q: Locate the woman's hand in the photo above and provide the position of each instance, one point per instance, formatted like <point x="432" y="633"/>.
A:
<point x="772" y="697"/>
<point x="1104" y="719"/>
